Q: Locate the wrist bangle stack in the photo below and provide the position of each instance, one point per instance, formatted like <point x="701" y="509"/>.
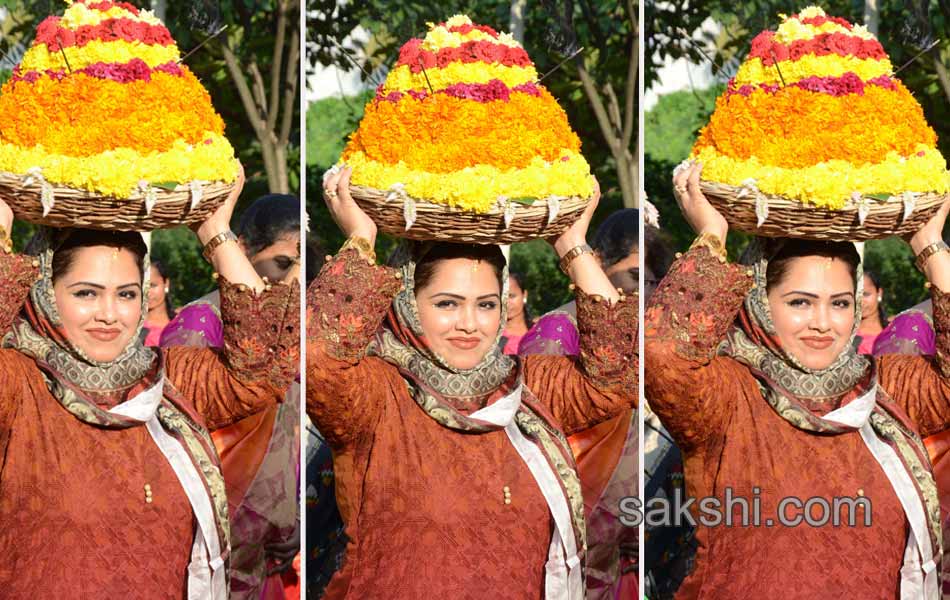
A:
<point x="215" y="242"/>
<point x="571" y="255"/>
<point x="921" y="259"/>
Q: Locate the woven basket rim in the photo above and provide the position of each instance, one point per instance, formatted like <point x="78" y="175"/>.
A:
<point x="495" y="209"/>
<point x="850" y="205"/>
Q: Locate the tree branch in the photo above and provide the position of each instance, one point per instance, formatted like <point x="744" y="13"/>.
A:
<point x="631" y="90"/>
<point x="244" y="92"/>
<point x="290" y="87"/>
<point x="258" y="88"/>
<point x="276" y="65"/>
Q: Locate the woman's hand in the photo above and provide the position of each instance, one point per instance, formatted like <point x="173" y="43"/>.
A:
<point x="931" y="232"/>
<point x="699" y="213"/>
<point x="576" y="234"/>
<point x="350" y="218"/>
<point x="937" y="266"/>
<point x="220" y="220"/>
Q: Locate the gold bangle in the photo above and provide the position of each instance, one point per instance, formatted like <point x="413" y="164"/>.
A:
<point x="362" y="246"/>
<point x="921" y="259"/>
<point x="571" y="255"/>
<point x="713" y="243"/>
<point x="215" y="242"/>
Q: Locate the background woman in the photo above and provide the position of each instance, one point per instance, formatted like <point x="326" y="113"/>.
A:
<point x="753" y="371"/>
<point x="873" y="318"/>
<point x="259" y="454"/>
<point x="110" y="485"/>
<point x="408" y="385"/>
<point x="160" y="310"/>
<point x="519" y="319"/>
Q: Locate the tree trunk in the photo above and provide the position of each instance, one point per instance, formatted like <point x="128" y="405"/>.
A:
<point x="872" y="15"/>
<point x="516" y="25"/>
<point x="160" y="7"/>
<point x="943" y="76"/>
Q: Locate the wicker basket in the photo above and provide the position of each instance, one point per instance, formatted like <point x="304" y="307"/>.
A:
<point x="77" y="208"/>
<point x="442" y="223"/>
<point x="791" y="218"/>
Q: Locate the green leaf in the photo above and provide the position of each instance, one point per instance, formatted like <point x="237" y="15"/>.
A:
<point x="166" y="185"/>
<point x="524" y="200"/>
<point x="881" y="197"/>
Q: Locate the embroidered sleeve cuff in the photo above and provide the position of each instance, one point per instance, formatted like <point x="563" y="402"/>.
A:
<point x="262" y="332"/>
<point x="18" y="272"/>
<point x="941" y="316"/>
<point x="608" y="338"/>
<point x="696" y="303"/>
<point x="347" y="303"/>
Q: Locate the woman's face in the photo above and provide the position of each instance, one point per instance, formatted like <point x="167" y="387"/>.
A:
<point x="276" y="261"/>
<point x="157" y="289"/>
<point x="460" y="310"/>
<point x="813" y="309"/>
<point x="99" y="300"/>
<point x="517" y="298"/>
<point x="624" y="275"/>
<point x="870" y="298"/>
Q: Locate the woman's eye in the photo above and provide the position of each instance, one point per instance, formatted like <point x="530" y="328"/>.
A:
<point x="489" y="305"/>
<point x="84" y="294"/>
<point x="283" y="263"/>
<point x="445" y="304"/>
<point x="129" y="294"/>
<point x="799" y="303"/>
<point x="842" y="303"/>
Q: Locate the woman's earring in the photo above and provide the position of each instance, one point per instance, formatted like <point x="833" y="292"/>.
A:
<point x="166" y="290"/>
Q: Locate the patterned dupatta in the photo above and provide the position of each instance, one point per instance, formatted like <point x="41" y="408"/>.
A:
<point x="496" y="386"/>
<point x="862" y="405"/>
<point x="134" y="383"/>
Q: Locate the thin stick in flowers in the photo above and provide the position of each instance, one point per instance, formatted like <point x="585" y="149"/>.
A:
<point x="352" y="60"/>
<point x="929" y="47"/>
<point x="775" y="62"/>
<point x="205" y="41"/>
<point x="558" y="65"/>
<point x="426" y="75"/>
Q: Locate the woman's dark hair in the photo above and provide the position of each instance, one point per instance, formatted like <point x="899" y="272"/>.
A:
<point x="65" y="255"/>
<point x="659" y="252"/>
<point x="163" y="271"/>
<point x="876" y="280"/>
<point x="617" y="237"/>
<point x="425" y="269"/>
<point x="526" y="314"/>
<point x="268" y="219"/>
<point x="796" y="248"/>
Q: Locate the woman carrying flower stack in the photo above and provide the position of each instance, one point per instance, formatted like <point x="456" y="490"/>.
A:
<point x="753" y="370"/>
<point x="110" y="486"/>
<point x="453" y="474"/>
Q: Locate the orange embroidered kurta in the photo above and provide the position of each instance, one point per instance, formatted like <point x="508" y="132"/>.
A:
<point x="73" y="518"/>
<point x="734" y="442"/>
<point x="423" y="504"/>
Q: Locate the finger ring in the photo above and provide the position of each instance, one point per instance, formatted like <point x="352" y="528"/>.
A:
<point x="330" y="194"/>
<point x="680" y="188"/>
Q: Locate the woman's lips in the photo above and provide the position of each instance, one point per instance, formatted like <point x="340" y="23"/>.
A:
<point x="818" y="343"/>
<point x="464" y="343"/>
<point x="104" y="335"/>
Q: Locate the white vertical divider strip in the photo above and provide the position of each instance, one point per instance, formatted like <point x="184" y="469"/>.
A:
<point x="641" y="484"/>
<point x="304" y="226"/>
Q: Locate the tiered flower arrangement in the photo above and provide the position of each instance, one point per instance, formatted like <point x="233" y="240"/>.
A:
<point x="100" y="103"/>
<point x="815" y="114"/>
<point x="462" y="121"/>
